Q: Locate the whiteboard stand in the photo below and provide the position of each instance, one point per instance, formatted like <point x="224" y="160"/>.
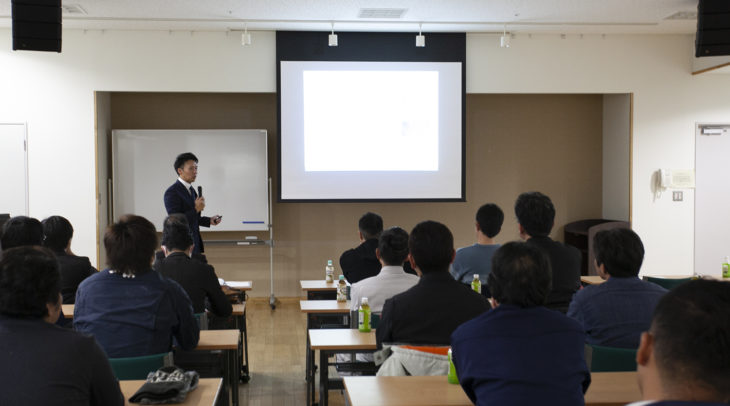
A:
<point x="272" y="298"/>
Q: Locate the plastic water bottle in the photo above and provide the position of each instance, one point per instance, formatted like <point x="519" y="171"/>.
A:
<point x="726" y="268"/>
<point x="329" y="272"/>
<point x="342" y="289"/>
<point x="452" y="378"/>
<point x="364" y="316"/>
<point x="476" y="284"/>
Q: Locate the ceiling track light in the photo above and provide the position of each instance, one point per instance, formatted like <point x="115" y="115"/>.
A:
<point x="420" y="38"/>
<point x="504" y="39"/>
<point x="245" y="37"/>
<point x="332" y="38"/>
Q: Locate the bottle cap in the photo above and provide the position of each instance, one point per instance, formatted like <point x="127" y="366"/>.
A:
<point x="329" y="262"/>
<point x="476" y="276"/>
<point x="364" y="300"/>
<point x="342" y="277"/>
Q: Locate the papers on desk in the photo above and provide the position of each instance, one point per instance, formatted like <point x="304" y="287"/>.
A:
<point x="235" y="284"/>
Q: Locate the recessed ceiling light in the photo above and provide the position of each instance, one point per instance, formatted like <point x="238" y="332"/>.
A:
<point x="393" y="13"/>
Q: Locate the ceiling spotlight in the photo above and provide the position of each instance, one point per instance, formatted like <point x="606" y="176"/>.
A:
<point x="504" y="39"/>
<point x="245" y="37"/>
<point x="420" y="38"/>
<point x="332" y="38"/>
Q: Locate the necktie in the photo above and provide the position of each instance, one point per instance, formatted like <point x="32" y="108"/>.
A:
<point x="192" y="193"/>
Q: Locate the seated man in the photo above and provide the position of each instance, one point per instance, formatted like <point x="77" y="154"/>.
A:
<point x="536" y="216"/>
<point x="477" y="258"/>
<point x="392" y="252"/>
<point x="521" y="353"/>
<point x="360" y="263"/>
<point x="616" y="312"/>
<point x="431" y="310"/>
<point x="20" y="231"/>
<point x="684" y="359"/>
<point x="57" y="233"/>
<point x="44" y="364"/>
<point x="198" y="279"/>
<point x="130" y="309"/>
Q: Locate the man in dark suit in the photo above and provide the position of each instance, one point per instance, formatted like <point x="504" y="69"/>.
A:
<point x="181" y="197"/>
<point x="360" y="263"/>
<point x="431" y="310"/>
<point x="57" y="235"/>
<point x="196" y="278"/>
<point x="536" y="216"/>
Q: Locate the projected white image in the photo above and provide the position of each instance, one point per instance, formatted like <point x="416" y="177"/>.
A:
<point x="373" y="120"/>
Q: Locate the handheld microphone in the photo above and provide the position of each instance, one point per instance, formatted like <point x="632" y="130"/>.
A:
<point x="200" y="191"/>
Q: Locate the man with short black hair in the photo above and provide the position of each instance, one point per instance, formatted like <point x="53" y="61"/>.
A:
<point x="431" y="310"/>
<point x="57" y="235"/>
<point x="684" y="358"/>
<point x="392" y="252"/>
<point x="477" y="258"/>
<point x="44" y="364"/>
<point x="181" y="197"/>
<point x="520" y="353"/>
<point x="20" y="231"/>
<point x="616" y="312"/>
<point x="360" y="263"/>
<point x="536" y="217"/>
<point x="198" y="279"/>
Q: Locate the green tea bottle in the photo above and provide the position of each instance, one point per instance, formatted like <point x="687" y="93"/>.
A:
<point x="364" y="316"/>
<point x="476" y="284"/>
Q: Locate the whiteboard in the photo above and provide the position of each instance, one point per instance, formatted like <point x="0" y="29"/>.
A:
<point x="712" y="194"/>
<point x="13" y="164"/>
<point x="232" y="170"/>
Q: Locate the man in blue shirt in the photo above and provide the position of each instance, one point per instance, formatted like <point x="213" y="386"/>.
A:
<point x="477" y="258"/>
<point x="521" y="353"/>
<point x="616" y="312"/>
<point x="684" y="359"/>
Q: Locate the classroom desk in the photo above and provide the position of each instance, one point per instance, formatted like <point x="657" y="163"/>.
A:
<point x="229" y="341"/>
<point x="206" y="394"/>
<point x="68" y="311"/>
<point x="607" y="389"/>
<point x="316" y="310"/>
<point x="320" y="289"/>
<point x="239" y="316"/>
<point x="329" y="342"/>
<point x="591" y="280"/>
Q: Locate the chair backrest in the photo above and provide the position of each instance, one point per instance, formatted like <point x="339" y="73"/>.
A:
<point x="667" y="283"/>
<point x="355" y="319"/>
<point x="202" y="319"/>
<point x="609" y="359"/>
<point x="138" y="367"/>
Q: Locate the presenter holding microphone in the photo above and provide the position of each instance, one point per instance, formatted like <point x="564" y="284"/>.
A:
<point x="182" y="197"/>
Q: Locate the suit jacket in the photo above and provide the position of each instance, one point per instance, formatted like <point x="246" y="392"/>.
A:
<point x="565" y="264"/>
<point x="73" y="271"/>
<point x="199" y="281"/>
<point x="429" y="312"/>
<point x="179" y="200"/>
<point x="515" y="356"/>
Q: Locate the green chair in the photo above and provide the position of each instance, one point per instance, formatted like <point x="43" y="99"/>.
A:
<point x="138" y="367"/>
<point x="609" y="359"/>
<point x="667" y="283"/>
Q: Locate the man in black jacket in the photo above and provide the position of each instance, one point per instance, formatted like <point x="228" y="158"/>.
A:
<point x="360" y="263"/>
<point x="198" y="279"/>
<point x="431" y="310"/>
<point x="57" y="235"/>
<point x="536" y="216"/>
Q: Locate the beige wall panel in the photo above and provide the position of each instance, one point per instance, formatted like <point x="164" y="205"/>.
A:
<point x="515" y="143"/>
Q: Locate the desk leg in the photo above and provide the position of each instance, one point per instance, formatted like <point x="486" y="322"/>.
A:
<point x="323" y="377"/>
<point x="243" y="347"/>
<point x="233" y="375"/>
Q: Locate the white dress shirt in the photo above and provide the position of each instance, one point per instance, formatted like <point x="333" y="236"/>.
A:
<point x="389" y="282"/>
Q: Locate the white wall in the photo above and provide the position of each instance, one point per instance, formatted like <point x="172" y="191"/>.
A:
<point x="54" y="94"/>
<point x="616" y="154"/>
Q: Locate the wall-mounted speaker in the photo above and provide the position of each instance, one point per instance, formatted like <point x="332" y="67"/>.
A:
<point x="37" y="25"/>
<point x="713" y="28"/>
